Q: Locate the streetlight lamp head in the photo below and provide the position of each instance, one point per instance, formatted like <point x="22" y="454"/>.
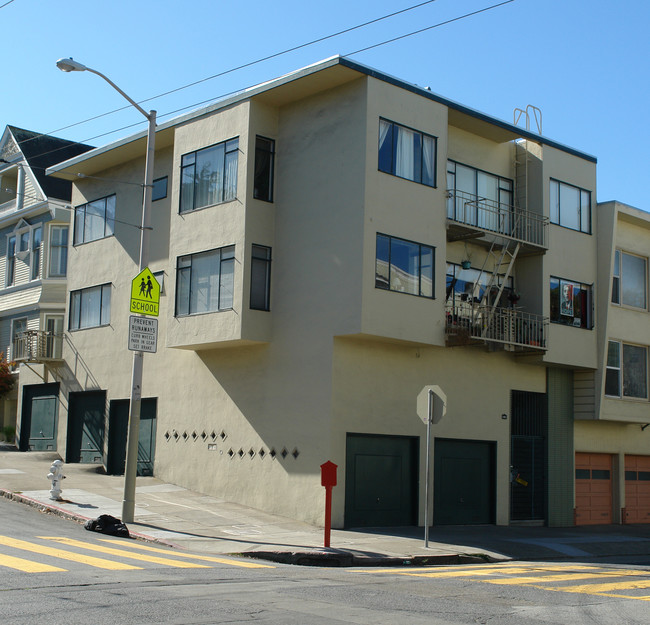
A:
<point x="70" y="65"/>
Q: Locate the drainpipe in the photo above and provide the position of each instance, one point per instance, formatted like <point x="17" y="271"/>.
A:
<point x="20" y="188"/>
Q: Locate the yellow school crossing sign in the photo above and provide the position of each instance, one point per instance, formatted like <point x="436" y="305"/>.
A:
<point x="145" y="294"/>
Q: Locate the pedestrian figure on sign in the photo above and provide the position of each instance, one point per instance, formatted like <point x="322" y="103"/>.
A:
<point x="143" y="287"/>
<point x="149" y="286"/>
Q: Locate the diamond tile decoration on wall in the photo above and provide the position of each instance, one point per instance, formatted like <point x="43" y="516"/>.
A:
<point x="261" y="452"/>
<point x="272" y="453"/>
<point x="295" y="453"/>
<point x="284" y="453"/>
<point x="213" y="435"/>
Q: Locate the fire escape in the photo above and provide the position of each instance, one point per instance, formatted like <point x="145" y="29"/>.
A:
<point x="507" y="232"/>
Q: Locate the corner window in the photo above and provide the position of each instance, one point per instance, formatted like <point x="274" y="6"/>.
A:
<point x="629" y="280"/>
<point x="159" y="190"/>
<point x="205" y="281"/>
<point x="407" y="153"/>
<point x="571" y="303"/>
<point x="260" y="277"/>
<point x="90" y="308"/>
<point x="404" y="266"/>
<point x="11" y="260"/>
<point x="58" y="265"/>
<point x="264" y="163"/>
<point x="37" y="239"/>
<point x="209" y="176"/>
<point x="626" y="373"/>
<point x="94" y="220"/>
<point x="570" y="206"/>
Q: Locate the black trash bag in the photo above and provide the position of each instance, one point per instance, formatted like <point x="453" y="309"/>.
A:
<point x="107" y="524"/>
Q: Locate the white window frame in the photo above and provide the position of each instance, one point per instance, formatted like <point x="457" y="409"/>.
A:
<point x="62" y="253"/>
<point x="619" y="368"/>
<point x="24" y="250"/>
<point x="15" y="332"/>
<point x="618" y="280"/>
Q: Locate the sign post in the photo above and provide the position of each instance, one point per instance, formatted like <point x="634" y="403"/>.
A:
<point x="431" y="407"/>
<point x="328" y="480"/>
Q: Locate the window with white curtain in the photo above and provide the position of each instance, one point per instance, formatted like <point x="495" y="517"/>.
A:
<point x="94" y="220"/>
<point x="407" y="153"/>
<point x="209" y="176"/>
<point x="570" y="206"/>
<point x="205" y="281"/>
<point x="90" y="308"/>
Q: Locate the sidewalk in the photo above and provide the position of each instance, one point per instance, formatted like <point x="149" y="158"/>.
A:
<point x="179" y="517"/>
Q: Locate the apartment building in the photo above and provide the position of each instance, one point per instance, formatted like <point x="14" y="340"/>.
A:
<point x="34" y="223"/>
<point x="612" y="408"/>
<point x="327" y="244"/>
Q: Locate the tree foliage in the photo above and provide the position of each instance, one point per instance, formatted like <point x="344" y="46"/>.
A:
<point x="7" y="379"/>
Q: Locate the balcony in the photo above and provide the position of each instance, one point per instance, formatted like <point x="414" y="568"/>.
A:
<point x="516" y="330"/>
<point x="474" y="217"/>
<point x="37" y="346"/>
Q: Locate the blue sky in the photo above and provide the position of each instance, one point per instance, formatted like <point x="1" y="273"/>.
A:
<point x="584" y="63"/>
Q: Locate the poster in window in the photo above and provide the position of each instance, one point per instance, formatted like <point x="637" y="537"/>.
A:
<point x="566" y="299"/>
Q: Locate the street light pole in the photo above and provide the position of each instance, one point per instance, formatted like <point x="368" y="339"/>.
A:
<point x="131" y="466"/>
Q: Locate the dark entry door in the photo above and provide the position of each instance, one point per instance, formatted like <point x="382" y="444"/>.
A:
<point x="39" y="417"/>
<point x="381" y="480"/>
<point x="86" y="412"/>
<point x="118" y="426"/>
<point x="464" y="482"/>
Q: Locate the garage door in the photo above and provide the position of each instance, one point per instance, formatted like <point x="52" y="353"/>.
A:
<point x="593" y="489"/>
<point x="381" y="480"/>
<point x="637" y="489"/>
<point x="464" y="482"/>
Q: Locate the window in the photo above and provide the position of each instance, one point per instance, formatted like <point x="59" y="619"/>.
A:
<point x="54" y="336"/>
<point x="209" y="176"/>
<point x="629" y="281"/>
<point x="264" y="161"/>
<point x="407" y="153"/>
<point x="571" y="303"/>
<point x="479" y="198"/>
<point x="18" y="346"/>
<point x="205" y="281"/>
<point x="261" y="277"/>
<point x="90" y="308"/>
<point x="58" y="265"/>
<point x="570" y="206"/>
<point x="466" y="287"/>
<point x="94" y="220"/>
<point x="159" y="190"/>
<point x="626" y="374"/>
<point x="404" y="266"/>
<point x="11" y="259"/>
<point x="37" y="239"/>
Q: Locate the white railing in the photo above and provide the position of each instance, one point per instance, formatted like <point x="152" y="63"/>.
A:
<point x="37" y="346"/>
<point x="492" y="216"/>
<point x="467" y="323"/>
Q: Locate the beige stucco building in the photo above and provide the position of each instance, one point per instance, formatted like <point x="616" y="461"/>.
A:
<point x="327" y="244"/>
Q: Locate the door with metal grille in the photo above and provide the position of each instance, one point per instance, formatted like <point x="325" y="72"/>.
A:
<point x="528" y="469"/>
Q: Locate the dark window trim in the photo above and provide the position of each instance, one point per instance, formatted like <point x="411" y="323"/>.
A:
<point x="268" y="260"/>
<point x="101" y="296"/>
<point x="155" y="198"/>
<point x="591" y="216"/>
<point x="271" y="152"/>
<point x="75" y="243"/>
<point x="434" y="185"/>
<point x="590" y="313"/>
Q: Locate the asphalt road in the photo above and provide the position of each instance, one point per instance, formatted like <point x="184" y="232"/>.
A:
<point x="54" y="571"/>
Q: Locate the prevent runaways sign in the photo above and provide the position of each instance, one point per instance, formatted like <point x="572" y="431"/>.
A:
<point x="145" y="294"/>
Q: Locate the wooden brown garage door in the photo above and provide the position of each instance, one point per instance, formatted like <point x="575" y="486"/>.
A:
<point x="593" y="489"/>
<point x="637" y="489"/>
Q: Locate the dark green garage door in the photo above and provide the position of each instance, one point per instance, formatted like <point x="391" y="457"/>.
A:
<point x="464" y="482"/>
<point x="381" y="481"/>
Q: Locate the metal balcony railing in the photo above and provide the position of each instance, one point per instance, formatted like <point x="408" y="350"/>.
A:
<point x="37" y="346"/>
<point x="471" y="324"/>
<point x="503" y="219"/>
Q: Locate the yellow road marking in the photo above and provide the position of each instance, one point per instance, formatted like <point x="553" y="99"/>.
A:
<point x="65" y="555"/>
<point x="598" y="588"/>
<point x="124" y="553"/>
<point x="546" y="579"/>
<point x="248" y="565"/>
<point x="450" y="573"/>
<point x="27" y="566"/>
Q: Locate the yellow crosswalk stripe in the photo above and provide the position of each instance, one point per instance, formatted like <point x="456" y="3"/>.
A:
<point x="247" y="565"/>
<point x="27" y="566"/>
<point x="598" y="588"/>
<point x="65" y="555"/>
<point x="513" y="581"/>
<point x="124" y="553"/>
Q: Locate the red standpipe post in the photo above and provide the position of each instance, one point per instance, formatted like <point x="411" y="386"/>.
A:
<point x="328" y="480"/>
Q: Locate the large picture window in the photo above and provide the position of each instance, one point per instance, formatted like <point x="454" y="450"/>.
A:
<point x="571" y="303"/>
<point x="404" y="266"/>
<point x="90" y="308"/>
<point x="407" y="153"/>
<point x="570" y="206"/>
<point x="205" y="281"/>
<point x="626" y="373"/>
<point x="630" y="279"/>
<point x="94" y="220"/>
<point x="209" y="176"/>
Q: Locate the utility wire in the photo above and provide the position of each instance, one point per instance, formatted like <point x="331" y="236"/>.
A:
<point x="2" y="6"/>
<point x="377" y="45"/>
